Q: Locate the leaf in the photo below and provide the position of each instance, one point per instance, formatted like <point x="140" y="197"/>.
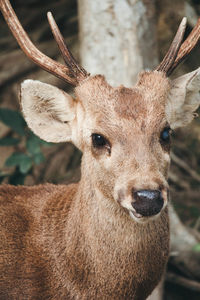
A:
<point x="196" y="248"/>
<point x="33" y="145"/>
<point x="25" y="165"/>
<point x="9" y="141"/>
<point x="13" y="119"/>
<point x="17" y="178"/>
<point x="23" y="161"/>
<point x="15" y="159"/>
<point x="46" y="144"/>
<point x="40" y="141"/>
<point x="38" y="158"/>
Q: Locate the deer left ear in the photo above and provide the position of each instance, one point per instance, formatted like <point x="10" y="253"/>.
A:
<point x="49" y="112"/>
<point x="184" y="99"/>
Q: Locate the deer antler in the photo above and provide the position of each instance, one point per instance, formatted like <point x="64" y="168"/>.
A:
<point x="170" y="57"/>
<point x="72" y="73"/>
<point x="187" y="46"/>
<point x="178" y="50"/>
<point x="67" y="56"/>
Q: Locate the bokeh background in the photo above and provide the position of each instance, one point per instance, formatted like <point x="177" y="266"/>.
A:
<point x="25" y="159"/>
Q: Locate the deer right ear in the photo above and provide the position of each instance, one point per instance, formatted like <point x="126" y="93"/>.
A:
<point x="48" y="111"/>
<point x="184" y="99"/>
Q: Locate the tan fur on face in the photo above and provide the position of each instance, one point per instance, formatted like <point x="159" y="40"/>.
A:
<point x="109" y="106"/>
<point x="132" y="120"/>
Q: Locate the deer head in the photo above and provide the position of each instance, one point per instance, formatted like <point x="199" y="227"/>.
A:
<point x="124" y="133"/>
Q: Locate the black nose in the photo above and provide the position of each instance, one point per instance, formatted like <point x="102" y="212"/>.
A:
<point x="147" y="202"/>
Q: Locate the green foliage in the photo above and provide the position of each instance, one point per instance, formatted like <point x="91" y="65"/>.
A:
<point x="13" y="119"/>
<point x="196" y="248"/>
<point x="22" y="160"/>
<point x="9" y="141"/>
<point x="27" y="147"/>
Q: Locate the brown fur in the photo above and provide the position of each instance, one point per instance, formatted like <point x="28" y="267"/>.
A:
<point x="40" y="235"/>
<point x="79" y="241"/>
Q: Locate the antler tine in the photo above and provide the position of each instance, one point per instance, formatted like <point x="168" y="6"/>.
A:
<point x="45" y="62"/>
<point x="70" y="61"/>
<point x="170" y="57"/>
<point x="187" y="46"/>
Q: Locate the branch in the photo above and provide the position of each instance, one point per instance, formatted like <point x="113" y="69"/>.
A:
<point x="182" y="164"/>
<point x="185" y="282"/>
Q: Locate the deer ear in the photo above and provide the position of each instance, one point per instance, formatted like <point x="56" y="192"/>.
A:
<point x="184" y="99"/>
<point x="48" y="111"/>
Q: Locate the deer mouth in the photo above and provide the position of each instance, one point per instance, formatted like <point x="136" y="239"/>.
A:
<point x="135" y="214"/>
<point x="142" y="218"/>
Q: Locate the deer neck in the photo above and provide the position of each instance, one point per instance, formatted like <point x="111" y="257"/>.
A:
<point x="105" y="245"/>
<point x="109" y="235"/>
<point x="100" y="216"/>
<point x="103" y="221"/>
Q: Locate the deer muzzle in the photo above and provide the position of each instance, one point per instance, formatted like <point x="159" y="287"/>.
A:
<point x="147" y="202"/>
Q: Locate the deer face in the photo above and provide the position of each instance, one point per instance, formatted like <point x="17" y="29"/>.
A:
<point x="125" y="140"/>
<point x="123" y="133"/>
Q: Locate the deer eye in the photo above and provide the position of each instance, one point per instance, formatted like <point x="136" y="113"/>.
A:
<point x="99" y="141"/>
<point x="165" y="135"/>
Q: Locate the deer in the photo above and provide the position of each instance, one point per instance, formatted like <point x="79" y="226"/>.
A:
<point x="106" y="237"/>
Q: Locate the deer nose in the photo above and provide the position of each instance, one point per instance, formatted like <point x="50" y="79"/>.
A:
<point x="147" y="202"/>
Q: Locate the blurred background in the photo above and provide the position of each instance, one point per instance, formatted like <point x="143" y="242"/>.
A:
<point x="25" y="159"/>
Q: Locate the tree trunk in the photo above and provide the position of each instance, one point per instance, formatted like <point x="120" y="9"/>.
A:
<point x="117" y="38"/>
